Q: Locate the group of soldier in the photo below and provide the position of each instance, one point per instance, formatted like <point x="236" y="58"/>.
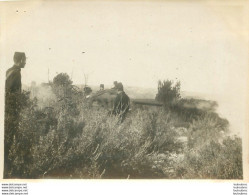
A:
<point x="13" y="88"/>
<point x="121" y="102"/>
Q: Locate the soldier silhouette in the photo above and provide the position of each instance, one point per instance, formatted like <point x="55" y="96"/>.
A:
<point x="115" y="84"/>
<point x="13" y="87"/>
<point x="101" y="87"/>
<point x="13" y="75"/>
<point x="121" y="103"/>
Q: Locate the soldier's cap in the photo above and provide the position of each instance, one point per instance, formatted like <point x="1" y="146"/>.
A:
<point x="18" y="56"/>
<point x="120" y="87"/>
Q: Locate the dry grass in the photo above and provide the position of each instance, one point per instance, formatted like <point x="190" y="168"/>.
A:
<point x="72" y="140"/>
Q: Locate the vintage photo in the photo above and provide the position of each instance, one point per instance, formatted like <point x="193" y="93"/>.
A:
<point x="124" y="89"/>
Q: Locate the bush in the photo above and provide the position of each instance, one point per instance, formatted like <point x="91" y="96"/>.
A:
<point x="62" y="86"/>
<point x="205" y="130"/>
<point x="210" y="153"/>
<point x="168" y="93"/>
<point x="214" y="160"/>
<point x="24" y="135"/>
<point x="71" y="140"/>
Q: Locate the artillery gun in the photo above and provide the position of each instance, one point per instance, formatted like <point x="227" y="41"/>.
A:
<point x="105" y="98"/>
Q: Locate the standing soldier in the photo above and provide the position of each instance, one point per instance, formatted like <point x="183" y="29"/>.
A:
<point x="121" y="103"/>
<point x="13" y="87"/>
<point x="13" y="75"/>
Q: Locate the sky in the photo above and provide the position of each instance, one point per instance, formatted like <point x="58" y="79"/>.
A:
<point x="201" y="44"/>
<point x="133" y="42"/>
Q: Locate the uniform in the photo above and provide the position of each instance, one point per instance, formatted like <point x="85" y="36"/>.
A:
<point x="13" y="88"/>
<point x="13" y="80"/>
<point x="121" y="105"/>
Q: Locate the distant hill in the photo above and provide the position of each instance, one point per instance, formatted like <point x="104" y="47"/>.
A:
<point x="140" y="92"/>
<point x="191" y="94"/>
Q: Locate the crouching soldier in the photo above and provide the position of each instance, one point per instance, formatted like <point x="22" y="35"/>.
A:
<point x="101" y="87"/>
<point x="121" y="103"/>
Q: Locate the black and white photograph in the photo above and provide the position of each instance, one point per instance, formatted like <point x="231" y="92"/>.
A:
<point x="124" y="90"/>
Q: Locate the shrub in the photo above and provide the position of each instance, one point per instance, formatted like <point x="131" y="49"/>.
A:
<point x="71" y="140"/>
<point x="214" y="160"/>
<point x="206" y="129"/>
<point x="24" y="136"/>
<point x="168" y="93"/>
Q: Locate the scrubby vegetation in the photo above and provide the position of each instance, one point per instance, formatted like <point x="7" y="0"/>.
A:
<point x="65" y="138"/>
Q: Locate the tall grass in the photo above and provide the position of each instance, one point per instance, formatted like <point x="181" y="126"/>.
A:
<point x="71" y="140"/>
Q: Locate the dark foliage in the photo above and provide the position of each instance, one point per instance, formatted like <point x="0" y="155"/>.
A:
<point x="168" y="93"/>
<point x="71" y="140"/>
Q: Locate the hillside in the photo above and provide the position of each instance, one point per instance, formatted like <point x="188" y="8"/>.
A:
<point x="68" y="138"/>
